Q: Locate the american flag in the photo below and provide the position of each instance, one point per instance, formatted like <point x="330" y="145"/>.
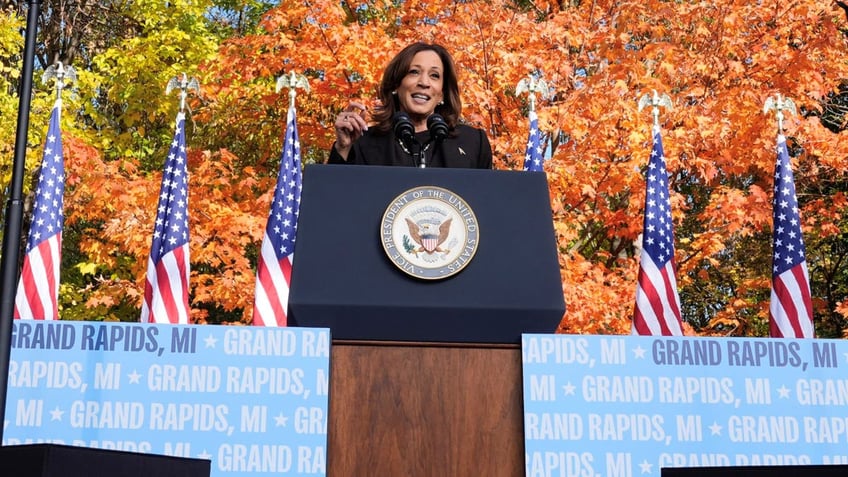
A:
<point x="657" y="310"/>
<point x="38" y="289"/>
<point x="791" y="308"/>
<point x="166" y="287"/>
<point x="533" y="158"/>
<point x="273" y="276"/>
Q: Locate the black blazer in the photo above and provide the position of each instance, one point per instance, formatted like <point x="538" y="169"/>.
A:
<point x="468" y="147"/>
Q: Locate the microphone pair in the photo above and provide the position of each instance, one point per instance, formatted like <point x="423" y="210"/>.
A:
<point x="406" y="131"/>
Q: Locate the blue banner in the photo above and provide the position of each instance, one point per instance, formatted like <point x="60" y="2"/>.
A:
<point x="252" y="400"/>
<point x="619" y="406"/>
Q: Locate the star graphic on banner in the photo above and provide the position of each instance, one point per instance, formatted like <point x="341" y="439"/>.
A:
<point x="715" y="429"/>
<point x="210" y="341"/>
<point x="639" y="352"/>
<point x="280" y="420"/>
<point x="204" y="455"/>
<point x="646" y="467"/>
<point x="783" y="391"/>
<point x="56" y="414"/>
<point x="569" y="389"/>
<point x="135" y="378"/>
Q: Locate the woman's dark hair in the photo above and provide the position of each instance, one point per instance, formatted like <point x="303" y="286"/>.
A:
<point x="398" y="68"/>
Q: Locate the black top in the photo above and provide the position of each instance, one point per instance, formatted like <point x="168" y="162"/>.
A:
<point x="468" y="148"/>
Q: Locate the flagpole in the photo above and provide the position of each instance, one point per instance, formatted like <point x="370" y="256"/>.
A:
<point x="15" y="210"/>
<point x="790" y="308"/>
<point x="166" y="287"/>
<point x="273" y="269"/>
<point x="534" y="155"/>
<point x="653" y="316"/>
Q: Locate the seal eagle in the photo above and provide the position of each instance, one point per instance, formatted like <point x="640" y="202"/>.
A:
<point x="427" y="236"/>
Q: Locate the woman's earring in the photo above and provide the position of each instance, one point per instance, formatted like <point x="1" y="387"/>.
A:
<point x="441" y="103"/>
<point x="394" y="93"/>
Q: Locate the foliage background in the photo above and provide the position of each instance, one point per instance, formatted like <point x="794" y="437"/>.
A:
<point x="717" y="60"/>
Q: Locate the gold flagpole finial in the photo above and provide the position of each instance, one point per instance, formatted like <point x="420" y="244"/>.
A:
<point x="64" y="76"/>
<point x="779" y="104"/>
<point x="293" y="81"/>
<point x="183" y="83"/>
<point x="531" y="85"/>
<point x="655" y="102"/>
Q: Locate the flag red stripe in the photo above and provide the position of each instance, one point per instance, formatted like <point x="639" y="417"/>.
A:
<point x="787" y="320"/>
<point x="165" y="283"/>
<point x="640" y="326"/>
<point x="167" y="297"/>
<point x="788" y="317"/>
<point x="29" y="289"/>
<point x="267" y="293"/>
<point x="789" y="305"/>
<point x="272" y="288"/>
<point x="800" y="274"/>
<point x="38" y="288"/>
<point x="670" y="285"/>
<point x="652" y="297"/>
<point x="274" y="312"/>
<point x="655" y="313"/>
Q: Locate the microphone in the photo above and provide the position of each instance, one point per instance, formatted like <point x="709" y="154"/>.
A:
<point x="405" y="131"/>
<point x="437" y="126"/>
<point x="403" y="127"/>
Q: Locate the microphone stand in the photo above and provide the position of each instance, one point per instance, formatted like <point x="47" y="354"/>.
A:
<point x="419" y="155"/>
<point x="438" y="131"/>
<point x="416" y="150"/>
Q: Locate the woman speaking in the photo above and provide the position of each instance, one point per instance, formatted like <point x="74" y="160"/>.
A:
<point x="417" y="123"/>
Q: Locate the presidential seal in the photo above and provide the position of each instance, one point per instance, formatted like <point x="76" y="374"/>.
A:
<point x="429" y="232"/>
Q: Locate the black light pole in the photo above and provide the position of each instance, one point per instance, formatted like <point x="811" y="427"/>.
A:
<point x="15" y="211"/>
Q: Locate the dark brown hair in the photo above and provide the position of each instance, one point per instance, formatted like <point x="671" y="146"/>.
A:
<point x="398" y="68"/>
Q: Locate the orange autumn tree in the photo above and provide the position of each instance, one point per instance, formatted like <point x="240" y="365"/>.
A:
<point x="718" y="61"/>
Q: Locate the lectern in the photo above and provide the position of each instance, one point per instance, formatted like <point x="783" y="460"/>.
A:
<point x="425" y="373"/>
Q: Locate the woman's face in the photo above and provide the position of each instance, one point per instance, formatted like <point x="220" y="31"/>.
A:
<point x="421" y="89"/>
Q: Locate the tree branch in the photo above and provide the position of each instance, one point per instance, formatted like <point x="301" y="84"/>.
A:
<point x="843" y="6"/>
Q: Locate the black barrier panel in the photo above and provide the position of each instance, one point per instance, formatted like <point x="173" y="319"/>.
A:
<point x="758" y="471"/>
<point x="53" y="460"/>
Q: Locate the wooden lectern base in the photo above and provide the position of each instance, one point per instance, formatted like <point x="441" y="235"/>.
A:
<point x="424" y="409"/>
